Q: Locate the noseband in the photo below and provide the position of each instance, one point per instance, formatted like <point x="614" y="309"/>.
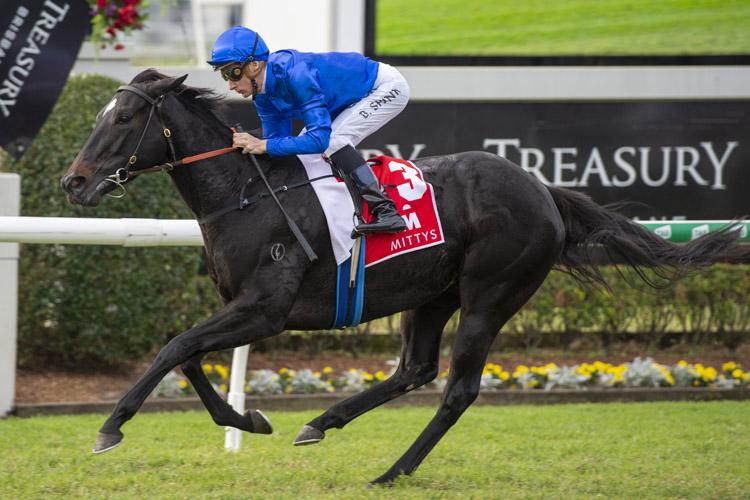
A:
<point x="124" y="174"/>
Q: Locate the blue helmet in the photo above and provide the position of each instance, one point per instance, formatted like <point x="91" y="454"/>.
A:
<point x="238" y="44"/>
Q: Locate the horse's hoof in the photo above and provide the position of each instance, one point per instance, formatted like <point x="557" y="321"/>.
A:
<point x="105" y="442"/>
<point x="308" y="435"/>
<point x="261" y="424"/>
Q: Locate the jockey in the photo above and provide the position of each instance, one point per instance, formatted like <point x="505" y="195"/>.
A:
<point x="341" y="97"/>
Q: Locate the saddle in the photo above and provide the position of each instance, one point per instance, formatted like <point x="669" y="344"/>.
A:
<point x="415" y="200"/>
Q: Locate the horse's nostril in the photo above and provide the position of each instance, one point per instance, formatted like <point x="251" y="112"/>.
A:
<point x="75" y="183"/>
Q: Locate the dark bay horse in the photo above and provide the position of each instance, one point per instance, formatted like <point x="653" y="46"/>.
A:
<point x="504" y="232"/>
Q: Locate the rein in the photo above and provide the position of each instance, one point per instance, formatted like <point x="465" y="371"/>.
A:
<point x="124" y="174"/>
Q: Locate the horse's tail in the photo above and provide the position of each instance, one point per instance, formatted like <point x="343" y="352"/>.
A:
<point x="591" y="228"/>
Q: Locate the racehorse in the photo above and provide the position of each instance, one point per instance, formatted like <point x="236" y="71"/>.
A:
<point x="504" y="231"/>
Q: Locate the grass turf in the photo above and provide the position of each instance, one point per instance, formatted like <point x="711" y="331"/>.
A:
<point x="648" y="450"/>
<point x="569" y="27"/>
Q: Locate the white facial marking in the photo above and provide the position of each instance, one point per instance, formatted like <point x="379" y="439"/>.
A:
<point x="110" y="106"/>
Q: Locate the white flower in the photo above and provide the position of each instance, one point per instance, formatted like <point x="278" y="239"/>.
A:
<point x="566" y="377"/>
<point x="264" y="382"/>
<point x="643" y="373"/>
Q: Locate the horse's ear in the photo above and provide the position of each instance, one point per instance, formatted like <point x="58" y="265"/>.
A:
<point x="168" y="84"/>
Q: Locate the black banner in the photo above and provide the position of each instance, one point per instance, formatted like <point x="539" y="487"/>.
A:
<point x="680" y="160"/>
<point x="39" y="42"/>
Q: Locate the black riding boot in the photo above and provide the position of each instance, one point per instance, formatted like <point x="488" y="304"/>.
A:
<point x="385" y="217"/>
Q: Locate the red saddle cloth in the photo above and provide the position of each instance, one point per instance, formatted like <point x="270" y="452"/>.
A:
<point x="404" y="183"/>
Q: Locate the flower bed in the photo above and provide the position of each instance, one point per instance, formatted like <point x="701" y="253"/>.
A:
<point x="111" y="17"/>
<point x="638" y="373"/>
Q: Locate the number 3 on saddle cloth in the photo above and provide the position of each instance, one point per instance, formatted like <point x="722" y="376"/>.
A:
<point x="404" y="183"/>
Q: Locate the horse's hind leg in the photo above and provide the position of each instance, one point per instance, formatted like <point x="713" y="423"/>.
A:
<point x="484" y="310"/>
<point x="221" y="412"/>
<point x="421" y="330"/>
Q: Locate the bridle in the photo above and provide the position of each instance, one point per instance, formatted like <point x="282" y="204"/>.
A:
<point x="124" y="174"/>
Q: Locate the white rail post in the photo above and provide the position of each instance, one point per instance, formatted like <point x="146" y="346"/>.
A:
<point x="236" y="395"/>
<point x="10" y="204"/>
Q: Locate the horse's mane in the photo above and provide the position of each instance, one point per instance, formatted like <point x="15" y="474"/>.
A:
<point x="203" y="102"/>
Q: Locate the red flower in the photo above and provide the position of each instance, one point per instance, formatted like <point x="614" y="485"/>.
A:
<point x="131" y="2"/>
<point x="119" y="46"/>
<point x="110" y="30"/>
<point x="117" y="25"/>
<point x="127" y="15"/>
<point x="101" y="3"/>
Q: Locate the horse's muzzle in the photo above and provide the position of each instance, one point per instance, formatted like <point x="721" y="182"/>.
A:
<point x="74" y="185"/>
<point x="80" y="190"/>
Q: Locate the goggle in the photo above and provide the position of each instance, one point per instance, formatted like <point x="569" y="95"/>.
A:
<point x="235" y="73"/>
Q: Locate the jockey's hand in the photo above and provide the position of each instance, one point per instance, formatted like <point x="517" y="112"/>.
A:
<point x="249" y="143"/>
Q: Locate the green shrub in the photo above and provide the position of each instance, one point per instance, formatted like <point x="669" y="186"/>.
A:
<point x="712" y="307"/>
<point x="109" y="305"/>
<point x="89" y="303"/>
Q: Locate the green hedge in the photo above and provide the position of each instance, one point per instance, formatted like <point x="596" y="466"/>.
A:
<point x="108" y="305"/>
<point x="712" y="307"/>
<point x="98" y="304"/>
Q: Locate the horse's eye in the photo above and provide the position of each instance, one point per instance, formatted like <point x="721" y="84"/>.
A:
<point x="123" y="118"/>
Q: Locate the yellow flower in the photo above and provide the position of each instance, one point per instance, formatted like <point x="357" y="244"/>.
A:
<point x="522" y="369"/>
<point x="207" y="369"/>
<point x="352" y="370"/>
<point x="601" y="367"/>
<point x="183" y="384"/>
<point x="316" y="374"/>
<point x="380" y="375"/>
<point x="283" y="371"/>
<point x="728" y="367"/>
<point x="504" y="376"/>
<point x="367" y="376"/>
<point x="737" y="373"/>
<point x="287" y="389"/>
<point x="222" y="371"/>
<point x="709" y="374"/>
<point x="682" y="362"/>
<point x="327" y="369"/>
<point x="223" y="387"/>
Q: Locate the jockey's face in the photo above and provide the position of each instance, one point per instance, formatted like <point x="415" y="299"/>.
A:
<point x="245" y="86"/>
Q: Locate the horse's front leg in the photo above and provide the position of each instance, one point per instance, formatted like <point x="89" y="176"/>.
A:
<point x="242" y="321"/>
<point x="222" y="413"/>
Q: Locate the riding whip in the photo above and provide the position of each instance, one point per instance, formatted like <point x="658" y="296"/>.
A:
<point x="292" y="225"/>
